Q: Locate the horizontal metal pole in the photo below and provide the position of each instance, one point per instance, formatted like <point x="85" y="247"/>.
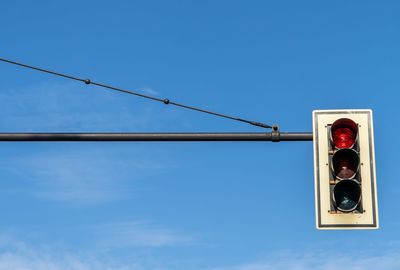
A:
<point x="133" y="137"/>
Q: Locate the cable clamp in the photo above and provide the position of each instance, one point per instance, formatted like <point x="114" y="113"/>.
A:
<point x="275" y="134"/>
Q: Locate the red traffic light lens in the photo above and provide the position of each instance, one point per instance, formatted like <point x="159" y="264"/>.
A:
<point x="347" y="195"/>
<point x="345" y="163"/>
<point x="344" y="133"/>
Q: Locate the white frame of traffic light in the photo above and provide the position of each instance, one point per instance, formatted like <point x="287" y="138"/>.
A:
<point x="325" y="217"/>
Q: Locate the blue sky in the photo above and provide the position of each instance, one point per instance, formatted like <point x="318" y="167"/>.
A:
<point x="213" y="206"/>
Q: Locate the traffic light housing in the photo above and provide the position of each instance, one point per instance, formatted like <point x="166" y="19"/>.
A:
<point x="345" y="182"/>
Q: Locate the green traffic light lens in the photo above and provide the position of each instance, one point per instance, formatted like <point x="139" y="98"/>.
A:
<point x="347" y="195"/>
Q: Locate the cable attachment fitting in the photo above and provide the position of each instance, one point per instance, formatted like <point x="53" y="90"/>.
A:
<point x="166" y="101"/>
<point x="258" y="124"/>
<point x="87" y="81"/>
<point x="275" y="134"/>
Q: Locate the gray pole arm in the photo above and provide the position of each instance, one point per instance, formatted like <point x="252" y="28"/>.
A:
<point x="274" y="136"/>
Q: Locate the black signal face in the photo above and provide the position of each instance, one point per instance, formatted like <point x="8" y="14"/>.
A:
<point x="345" y="165"/>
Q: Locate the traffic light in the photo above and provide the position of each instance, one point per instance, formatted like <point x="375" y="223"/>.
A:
<point x="344" y="167"/>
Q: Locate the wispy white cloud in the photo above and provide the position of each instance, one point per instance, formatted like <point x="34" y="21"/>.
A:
<point x="79" y="176"/>
<point x="17" y="255"/>
<point x="20" y="255"/>
<point x="75" y="107"/>
<point x="302" y="260"/>
<point x="76" y="178"/>
<point x="139" y="234"/>
<point x="150" y="91"/>
<point x="83" y="175"/>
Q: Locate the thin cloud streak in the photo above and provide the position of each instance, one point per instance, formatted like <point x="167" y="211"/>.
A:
<point x="72" y="107"/>
<point x="388" y="260"/>
<point x="139" y="233"/>
<point x="149" y="91"/>
<point x="86" y="176"/>
<point x="74" y="175"/>
<point x="19" y="255"/>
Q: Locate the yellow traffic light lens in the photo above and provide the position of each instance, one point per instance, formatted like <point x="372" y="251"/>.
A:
<point x="345" y="163"/>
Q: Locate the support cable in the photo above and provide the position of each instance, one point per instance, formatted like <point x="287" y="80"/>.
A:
<point x="166" y="101"/>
